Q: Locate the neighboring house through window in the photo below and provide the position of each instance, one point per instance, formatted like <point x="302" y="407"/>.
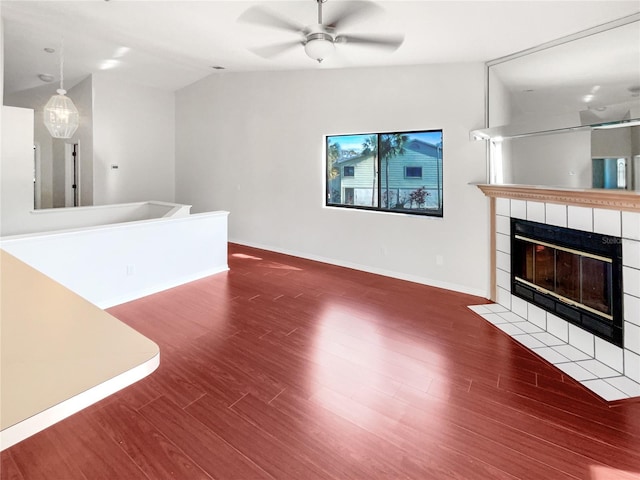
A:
<point x="393" y="172"/>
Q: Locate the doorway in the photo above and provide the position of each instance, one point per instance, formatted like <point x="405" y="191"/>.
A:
<point x="615" y="172"/>
<point x="72" y="175"/>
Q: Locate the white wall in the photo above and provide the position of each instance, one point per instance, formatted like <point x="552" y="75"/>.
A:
<point x="635" y="140"/>
<point x="1" y="68"/>
<point x="615" y="142"/>
<point x="560" y="159"/>
<point x="114" y="264"/>
<point x="134" y="129"/>
<point x="56" y="219"/>
<point x="252" y="144"/>
<point x="499" y="113"/>
<point x="500" y="107"/>
<point x="1" y="54"/>
<point x="35" y="99"/>
<point x="16" y="167"/>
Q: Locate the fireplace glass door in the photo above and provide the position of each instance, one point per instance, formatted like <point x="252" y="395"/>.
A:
<point x="573" y="274"/>
<point x="596" y="284"/>
<point x="576" y="278"/>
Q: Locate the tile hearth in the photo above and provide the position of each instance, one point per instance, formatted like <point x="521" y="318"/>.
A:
<point x="601" y="379"/>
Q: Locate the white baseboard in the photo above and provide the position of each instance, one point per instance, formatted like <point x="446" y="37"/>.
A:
<point x="369" y="269"/>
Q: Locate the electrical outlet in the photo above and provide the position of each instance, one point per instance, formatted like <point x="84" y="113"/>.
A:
<point x="131" y="269"/>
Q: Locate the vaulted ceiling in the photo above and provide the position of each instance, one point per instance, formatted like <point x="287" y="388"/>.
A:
<point x="170" y="44"/>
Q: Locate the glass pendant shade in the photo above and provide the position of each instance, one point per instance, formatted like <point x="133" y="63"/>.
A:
<point x="61" y="116"/>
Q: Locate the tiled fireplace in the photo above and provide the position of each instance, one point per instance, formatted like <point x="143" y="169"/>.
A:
<point x="611" y="371"/>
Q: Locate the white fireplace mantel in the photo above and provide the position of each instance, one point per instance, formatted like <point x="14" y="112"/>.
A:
<point x="623" y="200"/>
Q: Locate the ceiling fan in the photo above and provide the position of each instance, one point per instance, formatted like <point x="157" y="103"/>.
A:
<point x="319" y="39"/>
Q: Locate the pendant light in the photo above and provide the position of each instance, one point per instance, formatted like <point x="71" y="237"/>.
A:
<point x="61" y="116"/>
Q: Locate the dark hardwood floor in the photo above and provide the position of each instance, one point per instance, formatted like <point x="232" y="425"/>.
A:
<point x="284" y="368"/>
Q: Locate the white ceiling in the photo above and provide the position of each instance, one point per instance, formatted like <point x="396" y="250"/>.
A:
<point x="170" y="44"/>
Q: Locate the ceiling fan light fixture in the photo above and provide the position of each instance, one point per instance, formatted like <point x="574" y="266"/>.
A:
<point x="319" y="46"/>
<point x="320" y="38"/>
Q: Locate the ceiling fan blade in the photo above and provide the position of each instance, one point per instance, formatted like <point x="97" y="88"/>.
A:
<point x="349" y="12"/>
<point x="276" y="49"/>
<point x="268" y="18"/>
<point x="389" y="42"/>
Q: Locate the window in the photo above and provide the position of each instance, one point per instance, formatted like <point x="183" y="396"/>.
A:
<point x="413" y="172"/>
<point x="397" y="172"/>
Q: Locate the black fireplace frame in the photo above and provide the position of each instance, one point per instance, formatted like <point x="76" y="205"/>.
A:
<point x="589" y="242"/>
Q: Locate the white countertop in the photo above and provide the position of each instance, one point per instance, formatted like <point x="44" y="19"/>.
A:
<point x="59" y="353"/>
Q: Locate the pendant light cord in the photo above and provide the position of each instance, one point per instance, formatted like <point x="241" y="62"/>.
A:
<point x="62" y="64"/>
<point x="60" y="115"/>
